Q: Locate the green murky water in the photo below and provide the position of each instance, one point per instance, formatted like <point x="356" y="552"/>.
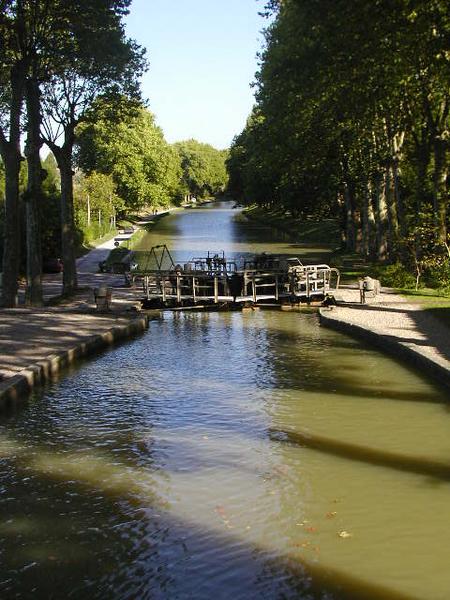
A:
<point x="229" y="455"/>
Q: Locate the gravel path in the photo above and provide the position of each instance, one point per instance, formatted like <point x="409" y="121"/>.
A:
<point x="398" y="326"/>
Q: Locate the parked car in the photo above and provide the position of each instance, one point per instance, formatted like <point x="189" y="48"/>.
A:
<point x="52" y="265"/>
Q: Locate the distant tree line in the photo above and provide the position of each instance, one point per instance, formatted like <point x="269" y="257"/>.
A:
<point x="69" y="79"/>
<point x="352" y="120"/>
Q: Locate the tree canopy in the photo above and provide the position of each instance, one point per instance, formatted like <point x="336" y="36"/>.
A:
<point x="204" y="172"/>
<point x="132" y="149"/>
<point x="56" y="56"/>
<point x="352" y="119"/>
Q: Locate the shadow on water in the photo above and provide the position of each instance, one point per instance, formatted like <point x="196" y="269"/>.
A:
<point x="372" y="456"/>
<point x="75" y="552"/>
<point x="337" y="365"/>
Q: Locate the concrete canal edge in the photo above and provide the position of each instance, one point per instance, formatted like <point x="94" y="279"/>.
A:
<point x="388" y="344"/>
<point x="15" y="389"/>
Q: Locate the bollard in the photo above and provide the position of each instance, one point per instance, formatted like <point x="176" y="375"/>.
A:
<point x="368" y="287"/>
<point x="102" y="297"/>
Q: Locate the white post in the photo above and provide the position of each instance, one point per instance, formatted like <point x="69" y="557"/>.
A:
<point x="88" y="210"/>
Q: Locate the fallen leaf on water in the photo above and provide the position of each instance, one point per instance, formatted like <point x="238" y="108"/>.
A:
<point x="302" y="544"/>
<point x="344" y="534"/>
<point x="302" y="523"/>
<point x="282" y="469"/>
<point x="311" y="529"/>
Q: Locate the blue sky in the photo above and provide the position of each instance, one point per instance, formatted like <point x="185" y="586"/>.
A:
<point x="202" y="56"/>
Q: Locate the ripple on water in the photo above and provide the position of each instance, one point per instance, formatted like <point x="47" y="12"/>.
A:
<point x="228" y="460"/>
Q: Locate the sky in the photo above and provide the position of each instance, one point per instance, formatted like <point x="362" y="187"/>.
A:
<point x="202" y="56"/>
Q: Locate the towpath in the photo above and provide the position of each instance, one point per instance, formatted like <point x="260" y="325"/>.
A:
<point x="402" y="328"/>
<point x="36" y="342"/>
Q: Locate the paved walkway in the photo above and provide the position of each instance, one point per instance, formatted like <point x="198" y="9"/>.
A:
<point x="30" y="335"/>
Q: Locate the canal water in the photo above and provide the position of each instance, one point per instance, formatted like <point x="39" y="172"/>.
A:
<point x="228" y="455"/>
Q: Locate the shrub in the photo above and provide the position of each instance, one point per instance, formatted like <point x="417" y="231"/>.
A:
<point x="395" y="275"/>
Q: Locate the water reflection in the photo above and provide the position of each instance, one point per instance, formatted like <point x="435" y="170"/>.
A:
<point x="192" y="233"/>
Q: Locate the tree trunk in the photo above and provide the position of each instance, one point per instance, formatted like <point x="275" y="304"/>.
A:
<point x="391" y="210"/>
<point x="88" y="211"/>
<point x="350" y="225"/>
<point x="367" y="220"/>
<point x="397" y="145"/>
<point x="440" y="194"/>
<point x="11" y="236"/>
<point x="11" y="155"/>
<point x="63" y="155"/>
<point x="399" y="199"/>
<point x="68" y="229"/>
<point x="380" y="218"/>
<point x="33" y="196"/>
<point x="422" y="157"/>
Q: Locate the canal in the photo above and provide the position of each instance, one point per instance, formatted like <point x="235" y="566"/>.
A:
<point x="229" y="455"/>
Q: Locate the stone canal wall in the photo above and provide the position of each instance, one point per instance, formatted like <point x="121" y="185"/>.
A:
<point x="421" y="342"/>
<point x="67" y="347"/>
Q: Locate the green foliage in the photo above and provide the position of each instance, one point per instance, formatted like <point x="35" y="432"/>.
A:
<point x="396" y="275"/>
<point x="352" y="120"/>
<point x="51" y="223"/>
<point x="438" y="275"/>
<point x="133" y="151"/>
<point x="203" y="166"/>
<point x="52" y="180"/>
<point x="96" y="204"/>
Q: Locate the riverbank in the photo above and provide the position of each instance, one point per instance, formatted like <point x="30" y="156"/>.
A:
<point x="37" y="343"/>
<point x="414" y="326"/>
<point x="403" y="329"/>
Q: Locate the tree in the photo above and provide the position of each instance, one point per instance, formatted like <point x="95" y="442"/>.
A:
<point x="98" y="59"/>
<point x="13" y="72"/>
<point x="352" y="119"/>
<point x="203" y="167"/>
<point x="96" y="203"/>
<point x="132" y="149"/>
